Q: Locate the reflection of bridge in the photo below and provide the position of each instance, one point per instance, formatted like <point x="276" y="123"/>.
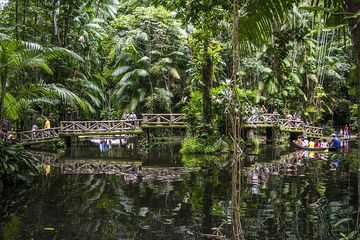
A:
<point x="119" y="127"/>
<point x="285" y="125"/>
<point x="115" y="127"/>
<point x="97" y="167"/>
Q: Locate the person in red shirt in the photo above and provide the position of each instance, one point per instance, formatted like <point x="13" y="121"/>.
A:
<point x="317" y="143"/>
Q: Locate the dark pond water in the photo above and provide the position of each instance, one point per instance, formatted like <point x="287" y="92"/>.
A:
<point x="286" y="194"/>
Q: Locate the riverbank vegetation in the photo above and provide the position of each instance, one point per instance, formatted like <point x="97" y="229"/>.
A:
<point x="16" y="165"/>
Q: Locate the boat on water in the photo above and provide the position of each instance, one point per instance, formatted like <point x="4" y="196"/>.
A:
<point x="314" y="149"/>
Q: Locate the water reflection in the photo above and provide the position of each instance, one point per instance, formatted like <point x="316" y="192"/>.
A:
<point x="291" y="196"/>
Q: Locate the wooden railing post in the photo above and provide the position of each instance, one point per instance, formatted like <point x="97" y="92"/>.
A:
<point x="171" y="119"/>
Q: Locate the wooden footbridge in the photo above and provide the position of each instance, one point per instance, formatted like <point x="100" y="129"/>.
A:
<point x="273" y="120"/>
<point x="114" y="127"/>
<point x="119" y="127"/>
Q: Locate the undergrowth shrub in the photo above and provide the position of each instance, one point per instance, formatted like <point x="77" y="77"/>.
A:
<point x="17" y="165"/>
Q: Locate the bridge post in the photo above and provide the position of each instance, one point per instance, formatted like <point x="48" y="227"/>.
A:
<point x="272" y="134"/>
<point x="68" y="141"/>
<point x="250" y="136"/>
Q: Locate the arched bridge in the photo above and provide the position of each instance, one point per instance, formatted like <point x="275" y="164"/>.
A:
<point x="118" y="127"/>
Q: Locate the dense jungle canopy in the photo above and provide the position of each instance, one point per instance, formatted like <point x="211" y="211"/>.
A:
<point x="72" y="60"/>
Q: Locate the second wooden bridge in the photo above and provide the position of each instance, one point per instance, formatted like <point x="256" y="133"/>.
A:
<point x="272" y="120"/>
<point x="119" y="127"/>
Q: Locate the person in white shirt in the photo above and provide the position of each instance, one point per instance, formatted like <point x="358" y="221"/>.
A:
<point x="324" y="144"/>
<point x="306" y="142"/>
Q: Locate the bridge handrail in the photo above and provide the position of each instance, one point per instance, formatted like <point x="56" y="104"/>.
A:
<point x="163" y="119"/>
<point x="40" y="130"/>
<point x="98" y="126"/>
<point x="36" y="135"/>
<point x="106" y="121"/>
<point x="267" y="118"/>
<point x="309" y="126"/>
<point x="163" y="114"/>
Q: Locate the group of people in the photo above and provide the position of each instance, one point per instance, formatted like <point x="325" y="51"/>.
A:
<point x="293" y="117"/>
<point x="105" y="145"/>
<point x="130" y="117"/>
<point x="34" y="127"/>
<point x="304" y="142"/>
<point x="345" y="131"/>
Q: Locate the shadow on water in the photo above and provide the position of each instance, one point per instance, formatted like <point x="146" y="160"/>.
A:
<point x="285" y="194"/>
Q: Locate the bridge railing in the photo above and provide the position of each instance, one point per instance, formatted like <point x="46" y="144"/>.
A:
<point x="264" y="119"/>
<point x="291" y="125"/>
<point x="38" y="135"/>
<point x="98" y="126"/>
<point x="163" y="119"/>
<point x="313" y="131"/>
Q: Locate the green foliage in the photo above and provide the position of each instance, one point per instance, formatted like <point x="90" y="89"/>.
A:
<point x="194" y="145"/>
<point x="205" y="161"/>
<point x="109" y="114"/>
<point x="12" y="228"/>
<point x="16" y="165"/>
<point x="147" y="59"/>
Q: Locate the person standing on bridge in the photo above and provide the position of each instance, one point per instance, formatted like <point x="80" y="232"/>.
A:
<point x="132" y="118"/>
<point x="33" y="129"/>
<point x="47" y="123"/>
<point x="346" y="130"/>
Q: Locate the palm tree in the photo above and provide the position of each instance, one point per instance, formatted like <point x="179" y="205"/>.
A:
<point x="16" y="56"/>
<point x="145" y="59"/>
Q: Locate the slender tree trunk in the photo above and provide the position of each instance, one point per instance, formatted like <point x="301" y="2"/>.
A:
<point x="24" y="19"/>
<point x="207" y="76"/>
<point x="56" y="12"/>
<point x="17" y="19"/>
<point x="2" y="97"/>
<point x="234" y="110"/>
<point x="43" y="21"/>
<point x="353" y="6"/>
<point x="36" y="20"/>
<point x="67" y="23"/>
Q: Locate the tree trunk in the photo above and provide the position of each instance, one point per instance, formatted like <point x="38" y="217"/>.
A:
<point x="24" y="19"/>
<point x="56" y="12"/>
<point x="234" y="109"/>
<point x="353" y="6"/>
<point x="67" y="23"/>
<point x="36" y="19"/>
<point x="207" y="75"/>
<point x="17" y="19"/>
<point x="2" y="97"/>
